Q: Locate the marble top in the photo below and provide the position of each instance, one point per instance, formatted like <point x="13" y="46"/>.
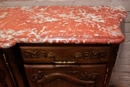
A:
<point x="61" y="25"/>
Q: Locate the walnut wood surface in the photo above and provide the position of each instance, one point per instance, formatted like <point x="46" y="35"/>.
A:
<point x="75" y="54"/>
<point x="58" y="65"/>
<point x="5" y="77"/>
<point x="66" y="75"/>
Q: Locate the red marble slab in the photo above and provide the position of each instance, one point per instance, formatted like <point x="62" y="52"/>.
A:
<point x="61" y="25"/>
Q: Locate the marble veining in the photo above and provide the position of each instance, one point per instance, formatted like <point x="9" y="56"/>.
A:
<point x="61" y="25"/>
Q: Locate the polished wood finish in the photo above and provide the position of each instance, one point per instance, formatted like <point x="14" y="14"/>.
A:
<point x="58" y="65"/>
<point x="55" y="60"/>
<point x="6" y="79"/>
<point x="65" y="53"/>
<point x="65" y="75"/>
<point x="13" y="56"/>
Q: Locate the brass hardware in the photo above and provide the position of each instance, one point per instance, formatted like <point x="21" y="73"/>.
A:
<point x="64" y="62"/>
<point x="78" y="54"/>
<point x="51" y="55"/>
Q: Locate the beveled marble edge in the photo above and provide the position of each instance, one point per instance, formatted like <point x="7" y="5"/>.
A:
<point x="84" y="25"/>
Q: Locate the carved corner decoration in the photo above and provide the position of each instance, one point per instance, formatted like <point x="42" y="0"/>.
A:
<point x="37" y="77"/>
<point x="72" y="76"/>
<point x="2" y="78"/>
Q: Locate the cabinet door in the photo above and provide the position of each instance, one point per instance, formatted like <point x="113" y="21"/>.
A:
<point x="65" y="75"/>
<point x="5" y="77"/>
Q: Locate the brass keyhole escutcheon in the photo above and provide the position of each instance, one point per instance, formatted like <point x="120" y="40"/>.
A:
<point x="51" y="55"/>
<point x="78" y="54"/>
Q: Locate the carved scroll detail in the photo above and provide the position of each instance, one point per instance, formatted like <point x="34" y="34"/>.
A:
<point x="31" y="54"/>
<point x="93" y="55"/>
<point x="85" y="76"/>
<point x="2" y="78"/>
<point x="76" y="76"/>
<point x="36" y="77"/>
<point x="35" y="54"/>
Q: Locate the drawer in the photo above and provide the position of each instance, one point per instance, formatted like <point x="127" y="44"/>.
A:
<point x="68" y="75"/>
<point x="65" y="54"/>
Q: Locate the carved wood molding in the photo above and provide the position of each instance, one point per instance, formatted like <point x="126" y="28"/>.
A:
<point x="93" y="54"/>
<point x="35" y="54"/>
<point x="85" y="76"/>
<point x="2" y="78"/>
<point x="31" y="54"/>
<point x="76" y="77"/>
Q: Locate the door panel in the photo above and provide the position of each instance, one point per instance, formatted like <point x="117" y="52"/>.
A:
<point x="65" y="75"/>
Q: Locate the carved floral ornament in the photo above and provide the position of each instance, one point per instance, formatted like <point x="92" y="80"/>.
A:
<point x="34" y="54"/>
<point x="77" y="76"/>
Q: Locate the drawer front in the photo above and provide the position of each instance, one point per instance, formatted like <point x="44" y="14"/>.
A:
<point x="68" y="75"/>
<point x="64" y="54"/>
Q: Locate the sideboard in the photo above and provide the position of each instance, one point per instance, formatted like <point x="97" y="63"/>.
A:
<point x="59" y="46"/>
